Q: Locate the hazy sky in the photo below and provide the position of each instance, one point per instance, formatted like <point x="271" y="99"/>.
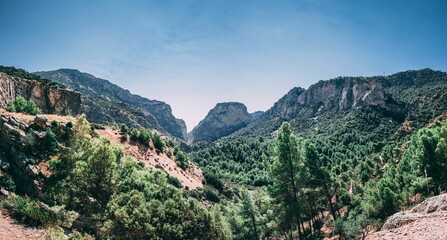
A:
<point x="193" y="54"/>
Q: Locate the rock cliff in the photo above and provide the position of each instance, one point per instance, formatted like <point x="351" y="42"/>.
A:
<point x="49" y="99"/>
<point x="222" y="120"/>
<point x="109" y="102"/>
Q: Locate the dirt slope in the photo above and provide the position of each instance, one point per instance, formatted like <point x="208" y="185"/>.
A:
<point x="9" y="230"/>
<point x="191" y="178"/>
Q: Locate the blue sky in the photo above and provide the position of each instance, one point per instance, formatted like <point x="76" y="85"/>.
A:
<point x="193" y="54"/>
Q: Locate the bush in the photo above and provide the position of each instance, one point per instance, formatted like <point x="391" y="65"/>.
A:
<point x="213" y="180"/>
<point x="27" y="210"/>
<point x="54" y="124"/>
<point x="211" y="195"/>
<point x="8" y="183"/>
<point x="181" y="160"/>
<point x="69" y="125"/>
<point x="174" y="182"/>
<point x="50" y="143"/>
<point x="158" y="143"/>
<point x="20" y="104"/>
<point x="124" y="129"/>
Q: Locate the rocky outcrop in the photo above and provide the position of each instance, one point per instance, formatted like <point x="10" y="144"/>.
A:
<point x="19" y="151"/>
<point x="49" y="99"/>
<point x="427" y="220"/>
<point x="221" y="121"/>
<point x="335" y="95"/>
<point x="134" y="110"/>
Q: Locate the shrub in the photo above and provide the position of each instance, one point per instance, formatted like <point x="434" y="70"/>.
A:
<point x="174" y="181"/>
<point x="124" y="129"/>
<point x="54" y="124"/>
<point x="20" y="104"/>
<point x="8" y="183"/>
<point x="27" y="210"/>
<point x="213" y="180"/>
<point x="69" y="125"/>
<point x="50" y="142"/>
<point x="158" y="143"/>
<point x="211" y="195"/>
<point x="181" y="160"/>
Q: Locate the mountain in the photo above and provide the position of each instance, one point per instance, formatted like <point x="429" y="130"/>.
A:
<point x="221" y="121"/>
<point x="106" y="101"/>
<point x="416" y="96"/>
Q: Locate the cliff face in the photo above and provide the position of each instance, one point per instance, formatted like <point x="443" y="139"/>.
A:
<point x="134" y="110"/>
<point x="49" y="99"/>
<point x="222" y="120"/>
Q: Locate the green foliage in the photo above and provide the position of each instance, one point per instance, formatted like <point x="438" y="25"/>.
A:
<point x="124" y="200"/>
<point x="241" y="160"/>
<point x="286" y="174"/>
<point x="50" y="143"/>
<point x="20" y="104"/>
<point x="181" y="159"/>
<point x="8" y="182"/>
<point x="69" y="125"/>
<point x="11" y="107"/>
<point x="211" y="194"/>
<point x="27" y="210"/>
<point x="174" y="182"/>
<point x="158" y="143"/>
<point x="213" y="180"/>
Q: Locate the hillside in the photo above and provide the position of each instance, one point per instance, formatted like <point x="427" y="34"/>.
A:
<point x="337" y="160"/>
<point x="107" y="102"/>
<point x="346" y="112"/>
<point x="323" y="106"/>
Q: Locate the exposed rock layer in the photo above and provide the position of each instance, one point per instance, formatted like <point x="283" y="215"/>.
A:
<point x="49" y="99"/>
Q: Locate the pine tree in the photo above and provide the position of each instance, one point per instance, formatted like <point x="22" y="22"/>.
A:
<point x="285" y="173"/>
<point x="249" y="214"/>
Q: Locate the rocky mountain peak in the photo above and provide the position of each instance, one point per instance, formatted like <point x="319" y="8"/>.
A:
<point x="222" y="120"/>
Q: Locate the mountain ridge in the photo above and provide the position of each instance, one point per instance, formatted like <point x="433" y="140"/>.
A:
<point x="142" y="108"/>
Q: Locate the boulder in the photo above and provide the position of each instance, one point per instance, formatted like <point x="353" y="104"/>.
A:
<point x="41" y="121"/>
<point x="422" y="210"/>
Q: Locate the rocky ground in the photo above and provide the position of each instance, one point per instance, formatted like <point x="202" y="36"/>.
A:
<point x="426" y="221"/>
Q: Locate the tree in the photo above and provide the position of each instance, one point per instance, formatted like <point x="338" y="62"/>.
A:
<point x="158" y="143"/>
<point x="249" y="214"/>
<point x="318" y="176"/>
<point x="20" y="104"/>
<point x="285" y="174"/>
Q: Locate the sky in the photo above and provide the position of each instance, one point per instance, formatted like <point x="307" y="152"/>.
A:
<point x="193" y="54"/>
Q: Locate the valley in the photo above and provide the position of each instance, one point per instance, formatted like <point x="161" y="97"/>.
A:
<point x="334" y="161"/>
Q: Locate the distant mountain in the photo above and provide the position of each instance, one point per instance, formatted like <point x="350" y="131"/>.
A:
<point x="221" y="121"/>
<point x="105" y="101"/>
<point x="415" y="96"/>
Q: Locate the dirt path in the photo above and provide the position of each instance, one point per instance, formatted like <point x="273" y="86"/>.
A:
<point x="30" y="118"/>
<point x="9" y="230"/>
